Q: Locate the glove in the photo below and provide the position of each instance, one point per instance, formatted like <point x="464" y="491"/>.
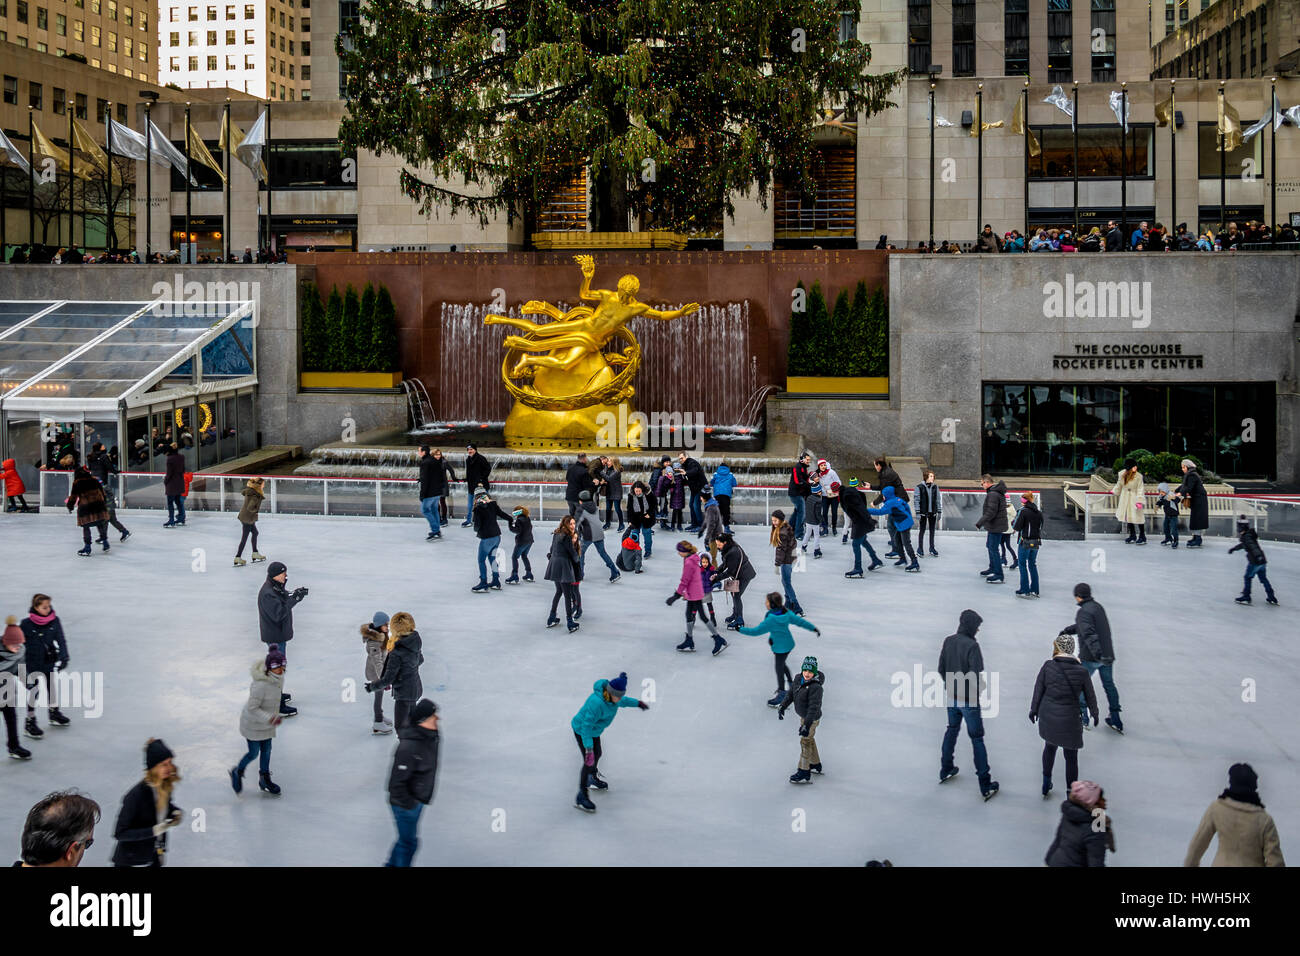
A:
<point x="770" y="643"/>
<point x="299" y="594"/>
<point x="369" y="688"/>
<point x="780" y="714"/>
<point x="1033" y="717"/>
<point x="1096" y="720"/>
<point x="643" y="705"/>
<point x="672" y="600"/>
<point x="817" y="631"/>
<point x="275" y="721"/>
<point x="589" y="758"/>
<point x="803" y="730"/>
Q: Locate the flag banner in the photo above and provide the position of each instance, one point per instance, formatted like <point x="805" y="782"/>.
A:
<point x="41" y="146"/>
<point x="1018" y="127"/>
<point x="199" y="153"/>
<point x="1229" y="126"/>
<point x="1292" y="115"/>
<point x="83" y="142"/>
<point x="10" y="155"/>
<point x="979" y="126"/>
<point x="1062" y="102"/>
<point x="250" y="149"/>
<point x="1276" y="119"/>
<point x="1117" y="103"/>
<point x="1165" y="112"/>
<point x="937" y="120"/>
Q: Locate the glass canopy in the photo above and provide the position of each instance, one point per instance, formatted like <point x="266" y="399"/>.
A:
<point x="109" y="355"/>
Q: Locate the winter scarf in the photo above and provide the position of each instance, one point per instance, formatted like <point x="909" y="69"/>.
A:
<point x="42" y="619"/>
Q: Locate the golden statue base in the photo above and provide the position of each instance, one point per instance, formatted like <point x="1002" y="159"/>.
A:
<point x="584" y="429"/>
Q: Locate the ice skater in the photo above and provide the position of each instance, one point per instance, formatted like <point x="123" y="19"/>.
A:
<point x="691" y="588"/>
<point x="860" y="524"/>
<point x="712" y="525"/>
<point x="1084" y="834"/>
<point x="254" y="493"/>
<point x="275" y="604"/>
<point x="592" y="533"/>
<point x="148" y="811"/>
<point x="402" y="668"/>
<point x="723" y="483"/>
<point x="993" y="522"/>
<point x="1168" y="506"/>
<point x="900" y="517"/>
<point x="484" y="518"/>
<point x="1193" y="491"/>
<point x="806" y="696"/>
<point x="961" y="665"/>
<point x="47" y="653"/>
<point x="828" y="482"/>
<point x="786" y="549"/>
<point x="708" y="582"/>
<point x="14" y="487"/>
<point x="412" y="777"/>
<point x="521" y="523"/>
<point x="928" y="511"/>
<point x="174" y="487"/>
<point x="1247" y="833"/>
<point x="641" y="509"/>
<point x="1096" y="652"/>
<point x="735" y="572"/>
<point x="87" y="498"/>
<point x="629" y="555"/>
<point x="1130" y="492"/>
<point x="374" y="637"/>
<point x="258" y="720"/>
<point x="1029" y="531"/>
<point x="1055" y="708"/>
<point x="776" y="624"/>
<point x="1256" y="563"/>
<point x="433" y="488"/>
<point x="592" y="720"/>
<point x="12" y="658"/>
<point x="103" y="465"/>
<point x="564" y="570"/>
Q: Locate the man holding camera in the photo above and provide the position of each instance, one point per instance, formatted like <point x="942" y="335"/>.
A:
<point x="275" y="605"/>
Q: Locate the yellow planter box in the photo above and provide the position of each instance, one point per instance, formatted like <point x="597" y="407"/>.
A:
<point x="351" y="379"/>
<point x="836" y="385"/>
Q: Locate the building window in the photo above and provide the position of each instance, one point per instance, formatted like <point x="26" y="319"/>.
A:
<point x="94" y="6"/>
<point x="174" y="14"/>
<point x="212" y="13"/>
<point x="81" y="105"/>
<point x="60" y="101"/>
<point x="306" y="95"/>
<point x="1017" y="37"/>
<point x="212" y="63"/>
<point x="291" y="24"/>
<point x="192" y="13"/>
<point x="1263" y="37"/>
<point x="250" y="11"/>
<point x="174" y="64"/>
<point x="112" y="42"/>
<point x="1241" y="31"/>
<point x="128" y="16"/>
<point x="291" y="71"/>
<point x="249" y="36"/>
<point x="1253" y="53"/>
<point x="248" y="62"/>
<point x="128" y="47"/>
<point x="230" y="38"/>
<point x="291" y="48"/>
<point x="282" y="43"/>
<point x="1099" y="152"/>
<point x="11" y="90"/>
<point x="271" y="39"/>
<point x="349" y="15"/>
<point x="271" y="62"/>
<point x="306" y="24"/>
<point x="281" y="19"/>
<point x="306" y="48"/>
<point x="79" y="30"/>
<point x="918" y="36"/>
<point x="143" y="53"/>
<point x="41" y="47"/>
<point x="35" y="96"/>
<point x="101" y="110"/>
<point x="61" y="26"/>
<point x="1060" y="36"/>
<point x="1208" y="156"/>
<point x="112" y="10"/>
<point x="282" y="67"/>
<point x="121" y="112"/>
<point x="43" y="19"/>
<point x="1103" y="63"/>
<point x="963" y="37"/>
<point x="212" y="37"/>
<point x="21" y="11"/>
<point x="232" y="63"/>
<point x="193" y="64"/>
<point x="94" y="34"/>
<point x="308" y="164"/>
<point x="281" y="91"/>
<point x="306" y="73"/>
<point x="174" y="38"/>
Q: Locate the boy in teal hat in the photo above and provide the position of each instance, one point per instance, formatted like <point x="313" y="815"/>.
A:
<point x="806" y="696"/>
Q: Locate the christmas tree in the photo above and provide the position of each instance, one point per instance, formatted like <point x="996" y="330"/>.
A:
<point x="674" y="106"/>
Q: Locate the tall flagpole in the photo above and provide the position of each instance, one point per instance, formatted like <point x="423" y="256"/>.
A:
<point x="1173" y="156"/>
<point x="190" y="257"/>
<point x="931" y="248"/>
<point x="1025" y="94"/>
<point x="225" y="167"/>
<point x="1123" y="157"/>
<point x="979" y="167"/>
<point x="72" y="183"/>
<point x="1223" y="166"/>
<point x="1272" y="176"/>
<point x="31" y="184"/>
<point x="1074" y="121"/>
<point x="110" y="240"/>
<point x="270" y="237"/>
<point x="148" y="184"/>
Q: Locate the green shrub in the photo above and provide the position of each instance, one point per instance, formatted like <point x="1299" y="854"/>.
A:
<point x="383" y="347"/>
<point x="312" y="320"/>
<point x="1156" y="467"/>
<point x="363" y="334"/>
<point x="336" y="341"/>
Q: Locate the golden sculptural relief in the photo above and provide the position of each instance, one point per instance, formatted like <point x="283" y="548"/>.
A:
<point x="564" y="374"/>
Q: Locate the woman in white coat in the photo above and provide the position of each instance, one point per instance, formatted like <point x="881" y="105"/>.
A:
<point x="1131" y="506"/>
<point x="259" y="718"/>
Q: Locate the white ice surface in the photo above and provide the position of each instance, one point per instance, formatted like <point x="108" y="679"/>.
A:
<point x="701" y="778"/>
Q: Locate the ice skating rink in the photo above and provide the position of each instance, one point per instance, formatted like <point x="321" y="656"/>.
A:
<point x="699" y="779"/>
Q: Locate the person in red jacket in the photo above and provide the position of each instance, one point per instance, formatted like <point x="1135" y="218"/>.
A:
<point x="14" y="487"/>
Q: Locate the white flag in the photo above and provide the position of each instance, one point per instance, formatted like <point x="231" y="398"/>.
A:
<point x="1293" y="114"/>
<point x="1118" y="102"/>
<point x="1062" y="102"/>
<point x="10" y="155"/>
<point x="1276" y="119"/>
<point x="249" y="152"/>
<point x="124" y="141"/>
<point x="938" y="119"/>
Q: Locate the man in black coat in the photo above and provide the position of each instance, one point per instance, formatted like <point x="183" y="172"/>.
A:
<point x="1114" y="237"/>
<point x="889" y="479"/>
<point x="799" y="489"/>
<point x="275" y="607"/>
<point x="174" y="487"/>
<point x="961" y="665"/>
<point x="695" y="481"/>
<point x="411" y="781"/>
<point x="1096" y="651"/>
<point x="433" y="485"/>
<point x="861" y="523"/>
<point x="578" y="479"/>
<point x="993" y="519"/>
<point x="477" y="469"/>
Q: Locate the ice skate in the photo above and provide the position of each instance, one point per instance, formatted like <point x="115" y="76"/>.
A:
<point x="57" y="718"/>
<point x="1114" y="724"/>
<point x="934" y="553"/>
<point x="32" y="730"/>
<point x="719" y="645"/>
<point x="777" y="700"/>
<point x="594" y="780"/>
<point x="481" y="588"/>
<point x="496" y="583"/>
<point x="17" y="752"/>
<point x="577" y="613"/>
<point x="552" y="621"/>
<point x="815" y="768"/>
<point x="1271" y="600"/>
<point x="855" y="573"/>
<point x="125" y="535"/>
<point x="264" y="782"/>
<point x="237" y="779"/>
<point x="258" y="557"/>
<point x="1047" y="787"/>
<point x="513" y="579"/>
<point x="875" y="564"/>
<point x="85" y="552"/>
<point x="1244" y="599"/>
<point x="989" y="792"/>
<point x="686" y="645"/>
<point x="240" y="562"/>
<point x="573" y="626"/>
<point x="582" y="802"/>
<point x="946" y="775"/>
<point x="914" y="566"/>
<point x="801" y="776"/>
<point x="529" y="576"/>
<point x="103" y="543"/>
<point x="379" y="727"/>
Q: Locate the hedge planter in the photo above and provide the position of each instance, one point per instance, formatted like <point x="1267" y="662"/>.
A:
<point x="356" y="381"/>
<point x="830" y="386"/>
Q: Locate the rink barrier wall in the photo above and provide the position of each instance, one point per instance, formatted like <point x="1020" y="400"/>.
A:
<point x="1275" y="517"/>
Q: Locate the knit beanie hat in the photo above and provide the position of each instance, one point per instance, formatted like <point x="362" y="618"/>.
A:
<point x="778" y="514"/>
<point x="1083" y="590"/>
<point x="275" y="569"/>
<point x="1242" y="777"/>
<point x="155" y="752"/>
<point x="685" y="547"/>
<point x="1129" y="463"/>
<point x="1065" y="644"/>
<point x="584" y="496"/>
<point x="853" y="482"/>
<point x="1085" y="793"/>
<point x="379" y="620"/>
<point x="809" y="664"/>
<point x="13" y="636"/>
<point x="423" y="710"/>
<point x="1163" y="487"/>
<point x="835" y="486"/>
<point x="274" y="657"/>
<point x="618" y="685"/>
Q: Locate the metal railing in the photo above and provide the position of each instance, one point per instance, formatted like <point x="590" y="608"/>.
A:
<point x="1274" y="517"/>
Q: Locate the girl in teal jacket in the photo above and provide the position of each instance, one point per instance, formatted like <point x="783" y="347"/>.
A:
<point x="777" y="623"/>
<point x="589" y="723"/>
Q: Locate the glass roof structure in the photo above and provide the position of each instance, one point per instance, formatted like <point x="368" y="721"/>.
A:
<point x="93" y="356"/>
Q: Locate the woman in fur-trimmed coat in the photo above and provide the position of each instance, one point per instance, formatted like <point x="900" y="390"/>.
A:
<point x="375" y="637"/>
<point x="87" y="497"/>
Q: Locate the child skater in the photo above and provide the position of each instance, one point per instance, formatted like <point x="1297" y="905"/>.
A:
<point x="777" y="626"/>
<point x="806" y="696"/>
<point x="706" y="583"/>
<point x="1256" y="563"/>
<point x="630" y="556"/>
<point x="692" y="589"/>
<point x="253" y="495"/>
<point x="597" y="713"/>
<point x="521" y="523"/>
<point x="897" y="508"/>
<point x="1169" y="508"/>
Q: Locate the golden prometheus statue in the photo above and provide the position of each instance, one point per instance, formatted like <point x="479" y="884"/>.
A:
<point x="564" y="374"/>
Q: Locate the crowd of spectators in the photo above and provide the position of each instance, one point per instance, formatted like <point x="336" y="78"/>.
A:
<point x="39" y="254"/>
<point x="1144" y="238"/>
